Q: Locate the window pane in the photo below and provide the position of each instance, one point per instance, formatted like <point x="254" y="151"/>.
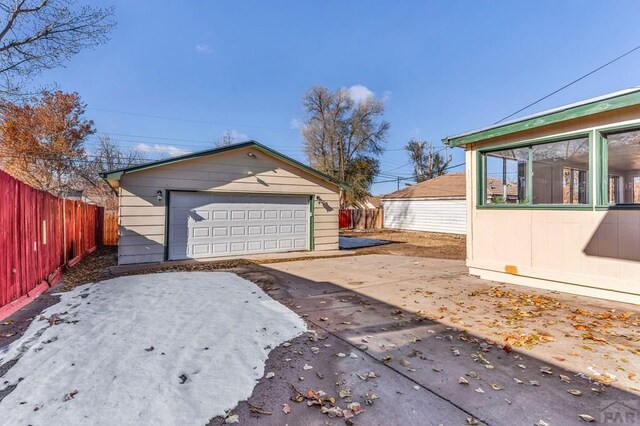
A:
<point x="506" y="176"/>
<point x="560" y="172"/>
<point x="624" y="167"/>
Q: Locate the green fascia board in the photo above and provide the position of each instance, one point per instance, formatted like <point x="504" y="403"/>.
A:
<point x="558" y="115"/>
<point x="117" y="174"/>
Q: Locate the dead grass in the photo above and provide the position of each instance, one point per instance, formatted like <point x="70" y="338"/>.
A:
<point x="413" y="243"/>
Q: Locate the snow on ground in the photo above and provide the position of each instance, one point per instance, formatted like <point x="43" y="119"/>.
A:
<point x="353" y="242"/>
<point x="167" y="349"/>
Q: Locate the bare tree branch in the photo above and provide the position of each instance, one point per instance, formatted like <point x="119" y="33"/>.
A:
<point x="43" y="34"/>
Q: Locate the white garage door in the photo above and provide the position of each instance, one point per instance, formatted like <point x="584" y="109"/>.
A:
<point x="207" y="225"/>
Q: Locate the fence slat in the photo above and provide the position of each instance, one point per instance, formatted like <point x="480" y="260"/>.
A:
<point x="39" y="233"/>
<point x="361" y="218"/>
<point x="110" y="234"/>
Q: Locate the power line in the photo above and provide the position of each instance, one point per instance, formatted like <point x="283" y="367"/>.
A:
<point x="211" y="144"/>
<point x="570" y="84"/>
<point x="188" y="120"/>
<point x="413" y="177"/>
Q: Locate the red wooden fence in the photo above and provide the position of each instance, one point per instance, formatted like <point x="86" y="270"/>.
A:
<point x="344" y="219"/>
<point x="361" y="218"/>
<point x="110" y="228"/>
<point x="40" y="234"/>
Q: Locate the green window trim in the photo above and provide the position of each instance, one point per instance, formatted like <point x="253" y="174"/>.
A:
<point x="481" y="181"/>
<point x="603" y="167"/>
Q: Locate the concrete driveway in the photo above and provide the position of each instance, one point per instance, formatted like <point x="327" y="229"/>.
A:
<point x="427" y="331"/>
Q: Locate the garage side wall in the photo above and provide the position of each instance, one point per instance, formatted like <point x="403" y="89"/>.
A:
<point x="434" y="215"/>
<point x="142" y="216"/>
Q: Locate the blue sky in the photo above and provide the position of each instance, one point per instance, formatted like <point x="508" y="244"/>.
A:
<point x="243" y="66"/>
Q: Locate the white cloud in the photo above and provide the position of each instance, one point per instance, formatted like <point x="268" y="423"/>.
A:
<point x="235" y="136"/>
<point x="169" y="150"/>
<point x="360" y="93"/>
<point x="295" y="124"/>
<point x="203" y="48"/>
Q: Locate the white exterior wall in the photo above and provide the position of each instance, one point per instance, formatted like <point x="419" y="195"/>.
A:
<point x="592" y="252"/>
<point x="142" y="216"/>
<point x="432" y="215"/>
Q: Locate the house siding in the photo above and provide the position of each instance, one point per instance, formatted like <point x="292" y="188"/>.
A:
<point x="142" y="216"/>
<point x="446" y="216"/>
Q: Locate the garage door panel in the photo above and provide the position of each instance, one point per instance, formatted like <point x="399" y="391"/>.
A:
<point x="208" y="225"/>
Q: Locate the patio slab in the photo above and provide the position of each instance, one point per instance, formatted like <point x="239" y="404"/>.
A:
<point x="430" y="322"/>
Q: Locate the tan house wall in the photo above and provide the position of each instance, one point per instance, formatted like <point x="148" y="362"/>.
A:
<point x="594" y="252"/>
<point x="142" y="216"/>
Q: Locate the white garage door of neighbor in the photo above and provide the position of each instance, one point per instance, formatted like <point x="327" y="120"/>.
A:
<point x="207" y="225"/>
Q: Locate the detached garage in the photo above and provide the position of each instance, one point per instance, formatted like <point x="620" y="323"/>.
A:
<point x="435" y="205"/>
<point x="241" y="199"/>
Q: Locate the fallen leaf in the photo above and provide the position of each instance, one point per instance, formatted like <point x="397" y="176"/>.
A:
<point x="546" y="370"/>
<point x="286" y="408"/>
<point x="270" y="375"/>
<point x="463" y="381"/>
<point x="307" y="367"/>
<point x="69" y="396"/>
<point x="496" y="387"/>
<point x="587" y="418"/>
<point x="356" y="408"/>
<point x="232" y="419"/>
<point x="575" y="392"/>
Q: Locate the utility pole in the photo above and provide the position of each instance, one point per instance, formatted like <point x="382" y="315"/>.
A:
<point x="398" y="183"/>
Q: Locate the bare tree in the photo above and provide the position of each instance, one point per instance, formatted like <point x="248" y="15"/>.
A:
<point x="343" y="137"/>
<point x="225" y="140"/>
<point x="36" y="35"/>
<point x="108" y="156"/>
<point x="427" y="162"/>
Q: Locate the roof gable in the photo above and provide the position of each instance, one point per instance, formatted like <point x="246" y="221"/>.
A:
<point x="113" y="177"/>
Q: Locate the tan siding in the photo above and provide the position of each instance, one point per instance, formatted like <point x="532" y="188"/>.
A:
<point x="589" y="252"/>
<point x="142" y="216"/>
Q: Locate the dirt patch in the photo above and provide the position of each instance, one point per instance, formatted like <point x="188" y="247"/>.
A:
<point x="91" y="269"/>
<point x="413" y="243"/>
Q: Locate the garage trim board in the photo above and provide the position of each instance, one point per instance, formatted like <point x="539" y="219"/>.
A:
<point x="204" y="224"/>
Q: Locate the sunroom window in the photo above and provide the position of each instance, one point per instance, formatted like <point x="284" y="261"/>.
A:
<point x="553" y="173"/>
<point x="560" y="172"/>
<point x="623" y="167"/>
<point x="506" y="176"/>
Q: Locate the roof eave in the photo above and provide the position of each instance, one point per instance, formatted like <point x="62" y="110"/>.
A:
<point x="116" y="175"/>
<point x="569" y="112"/>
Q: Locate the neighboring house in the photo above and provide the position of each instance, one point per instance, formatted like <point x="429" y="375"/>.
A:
<point x="437" y="205"/>
<point x="239" y="199"/>
<point x="575" y="225"/>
